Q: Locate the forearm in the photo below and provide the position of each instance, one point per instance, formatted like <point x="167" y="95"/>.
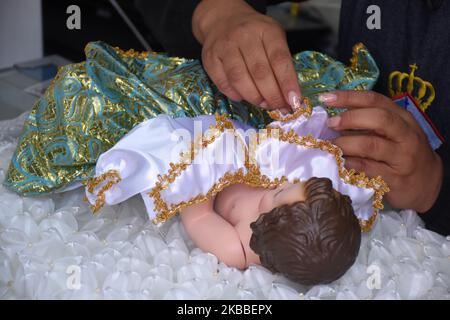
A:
<point x="170" y="23"/>
<point x="211" y="233"/>
<point x="210" y="12"/>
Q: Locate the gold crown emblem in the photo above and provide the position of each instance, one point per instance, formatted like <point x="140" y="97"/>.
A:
<point x="421" y="90"/>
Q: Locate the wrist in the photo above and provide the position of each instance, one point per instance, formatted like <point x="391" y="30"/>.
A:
<point x="209" y="13"/>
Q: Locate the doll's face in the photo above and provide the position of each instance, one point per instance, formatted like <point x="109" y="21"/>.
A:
<point x="287" y="193"/>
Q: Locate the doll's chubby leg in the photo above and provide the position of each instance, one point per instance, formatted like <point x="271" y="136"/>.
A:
<point x="212" y="233"/>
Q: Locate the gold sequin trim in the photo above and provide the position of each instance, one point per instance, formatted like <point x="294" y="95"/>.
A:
<point x="355" y="53"/>
<point x="305" y="109"/>
<point x="113" y="176"/>
<point x="132" y="53"/>
<point x="252" y="178"/>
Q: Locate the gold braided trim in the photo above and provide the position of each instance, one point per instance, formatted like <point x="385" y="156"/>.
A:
<point x="355" y="54"/>
<point x="254" y="177"/>
<point x="305" y="109"/>
<point x="113" y="176"/>
<point x="132" y="53"/>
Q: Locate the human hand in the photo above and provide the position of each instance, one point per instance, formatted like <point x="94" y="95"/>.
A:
<point x="394" y="147"/>
<point x="246" y="55"/>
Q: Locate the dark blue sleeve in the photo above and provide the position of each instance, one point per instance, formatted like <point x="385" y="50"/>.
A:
<point x="438" y="217"/>
<point x="169" y="23"/>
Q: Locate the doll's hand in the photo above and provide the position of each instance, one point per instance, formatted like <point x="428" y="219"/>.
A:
<point x="395" y="147"/>
<point x="245" y="53"/>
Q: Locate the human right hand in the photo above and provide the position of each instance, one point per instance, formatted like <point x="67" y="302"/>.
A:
<point x="390" y="144"/>
<point x="246" y="55"/>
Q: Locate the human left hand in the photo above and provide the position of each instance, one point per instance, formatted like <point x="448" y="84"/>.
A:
<point x="391" y="145"/>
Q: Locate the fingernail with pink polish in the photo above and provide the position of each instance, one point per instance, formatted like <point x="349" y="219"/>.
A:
<point x="333" y="122"/>
<point x="264" y="105"/>
<point x="284" y="111"/>
<point x="294" y="100"/>
<point x="327" y="97"/>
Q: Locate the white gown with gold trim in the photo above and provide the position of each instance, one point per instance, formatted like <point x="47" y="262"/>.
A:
<point x="173" y="163"/>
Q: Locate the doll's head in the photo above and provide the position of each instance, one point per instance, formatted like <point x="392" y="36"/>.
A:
<point x="312" y="241"/>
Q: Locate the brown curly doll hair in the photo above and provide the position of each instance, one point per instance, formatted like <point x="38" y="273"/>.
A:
<point x="310" y="242"/>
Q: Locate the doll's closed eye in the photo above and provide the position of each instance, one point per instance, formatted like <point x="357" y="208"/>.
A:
<point x="278" y="192"/>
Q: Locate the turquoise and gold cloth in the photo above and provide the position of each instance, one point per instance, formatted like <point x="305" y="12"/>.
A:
<point x="91" y="105"/>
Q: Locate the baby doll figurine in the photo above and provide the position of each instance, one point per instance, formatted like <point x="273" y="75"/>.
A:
<point x="306" y="231"/>
<point x="280" y="197"/>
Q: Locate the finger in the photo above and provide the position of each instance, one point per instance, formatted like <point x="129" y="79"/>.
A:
<point x="366" y="99"/>
<point x="264" y="105"/>
<point x="355" y="132"/>
<point x="261" y="72"/>
<point x="371" y="168"/>
<point x="214" y="68"/>
<point x="382" y="122"/>
<point x="239" y="77"/>
<point x="369" y="147"/>
<point x="280" y="60"/>
<point x="359" y="99"/>
<point x="354" y="99"/>
<point x="284" y="111"/>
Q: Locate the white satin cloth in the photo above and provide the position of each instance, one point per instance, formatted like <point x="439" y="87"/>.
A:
<point x="148" y="149"/>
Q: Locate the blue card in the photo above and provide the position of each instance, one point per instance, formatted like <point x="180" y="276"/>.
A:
<point x="434" y="137"/>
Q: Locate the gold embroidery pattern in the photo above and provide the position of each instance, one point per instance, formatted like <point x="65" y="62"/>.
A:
<point x="425" y="90"/>
<point x="132" y="53"/>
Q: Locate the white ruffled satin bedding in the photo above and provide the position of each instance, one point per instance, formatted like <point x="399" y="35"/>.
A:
<point x="118" y="254"/>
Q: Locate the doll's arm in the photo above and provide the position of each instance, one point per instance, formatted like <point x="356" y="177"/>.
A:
<point x="212" y="233"/>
